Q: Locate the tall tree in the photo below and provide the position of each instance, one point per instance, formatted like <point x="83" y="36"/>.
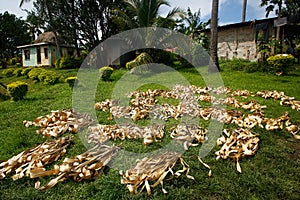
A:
<point x="214" y="37"/>
<point x="35" y="24"/>
<point x="244" y="10"/>
<point x="144" y="13"/>
<point x="13" y="33"/>
<point x="79" y="22"/>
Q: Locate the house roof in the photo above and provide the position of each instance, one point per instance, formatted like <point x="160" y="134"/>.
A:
<point x="242" y="24"/>
<point x="41" y="44"/>
<point x="50" y="38"/>
<point x="47" y="38"/>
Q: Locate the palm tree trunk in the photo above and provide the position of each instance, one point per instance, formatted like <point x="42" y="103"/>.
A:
<point x="278" y="27"/>
<point x="244" y="11"/>
<point x="214" y="67"/>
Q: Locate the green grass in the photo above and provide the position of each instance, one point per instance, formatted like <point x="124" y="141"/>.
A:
<point x="273" y="173"/>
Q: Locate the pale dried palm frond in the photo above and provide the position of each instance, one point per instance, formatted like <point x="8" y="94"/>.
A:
<point x="35" y="159"/>
<point x="237" y="144"/>
<point x="284" y="99"/>
<point x="59" y="122"/>
<point x="151" y="171"/>
<point x="101" y="133"/>
<point x="189" y="135"/>
<point x="84" y="166"/>
<point x="241" y="93"/>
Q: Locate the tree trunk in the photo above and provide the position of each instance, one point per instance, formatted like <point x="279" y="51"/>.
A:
<point x="278" y="27"/>
<point x="214" y="67"/>
<point x="244" y="11"/>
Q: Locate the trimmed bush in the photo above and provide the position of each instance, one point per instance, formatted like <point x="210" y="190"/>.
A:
<point x="8" y="72"/>
<point x="34" y="73"/>
<point x="140" y="64"/>
<point x="25" y="71"/>
<point x="105" y="73"/>
<point x="141" y="59"/>
<point x="72" y="81"/>
<point x="18" y="72"/>
<point x="68" y="62"/>
<point x="48" y="77"/>
<point x="57" y="63"/>
<point x="281" y="64"/>
<point x="17" y="90"/>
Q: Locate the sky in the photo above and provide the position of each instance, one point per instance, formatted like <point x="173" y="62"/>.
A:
<point x="230" y="11"/>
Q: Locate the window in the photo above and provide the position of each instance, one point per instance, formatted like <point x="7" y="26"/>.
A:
<point x="27" y="54"/>
<point x="46" y="53"/>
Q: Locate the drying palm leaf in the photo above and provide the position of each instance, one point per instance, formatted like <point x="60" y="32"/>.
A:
<point x="237" y="144"/>
<point x="189" y="135"/>
<point x="59" y="122"/>
<point x="84" y="166"/>
<point x="35" y="159"/>
<point x="151" y="171"/>
<point x="284" y="99"/>
<point x="241" y="93"/>
<point x="102" y="133"/>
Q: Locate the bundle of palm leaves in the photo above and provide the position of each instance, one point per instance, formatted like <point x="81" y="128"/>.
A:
<point x="34" y="159"/>
<point x="151" y="171"/>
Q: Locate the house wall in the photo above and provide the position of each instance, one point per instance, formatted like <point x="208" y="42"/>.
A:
<point x="33" y="61"/>
<point x="240" y="42"/>
<point x="237" y="43"/>
<point x="53" y="54"/>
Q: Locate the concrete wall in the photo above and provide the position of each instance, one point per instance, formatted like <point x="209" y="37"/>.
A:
<point x="239" y="42"/>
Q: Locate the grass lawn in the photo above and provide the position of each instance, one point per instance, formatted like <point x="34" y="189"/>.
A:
<point x="273" y="173"/>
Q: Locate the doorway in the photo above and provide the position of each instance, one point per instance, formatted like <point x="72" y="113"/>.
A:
<point x="38" y="53"/>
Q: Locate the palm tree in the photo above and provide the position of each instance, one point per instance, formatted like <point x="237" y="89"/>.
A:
<point x="214" y="37"/>
<point x="144" y="13"/>
<point x="22" y="2"/>
<point x="46" y="9"/>
<point x="244" y="11"/>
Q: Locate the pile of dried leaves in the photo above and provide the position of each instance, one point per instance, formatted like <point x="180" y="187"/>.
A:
<point x="151" y="171"/>
<point x="84" y="166"/>
<point x="237" y="144"/>
<point x="149" y="134"/>
<point x="59" y="122"/>
<point x="33" y="160"/>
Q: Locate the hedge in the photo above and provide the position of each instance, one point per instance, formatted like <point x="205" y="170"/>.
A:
<point x="17" y="90"/>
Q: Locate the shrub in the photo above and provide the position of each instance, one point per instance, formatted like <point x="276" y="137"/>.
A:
<point x="233" y="64"/>
<point x="14" y="60"/>
<point x="18" y="72"/>
<point x="34" y="73"/>
<point x="17" y="90"/>
<point x="105" y="72"/>
<point x="25" y="71"/>
<point x="251" y="67"/>
<point x="68" y="62"/>
<point x="240" y="65"/>
<point x="48" y="77"/>
<point x="140" y="63"/>
<point x="57" y="63"/>
<point x="281" y="63"/>
<point x="72" y="81"/>
<point x="8" y="72"/>
<point x="141" y="59"/>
